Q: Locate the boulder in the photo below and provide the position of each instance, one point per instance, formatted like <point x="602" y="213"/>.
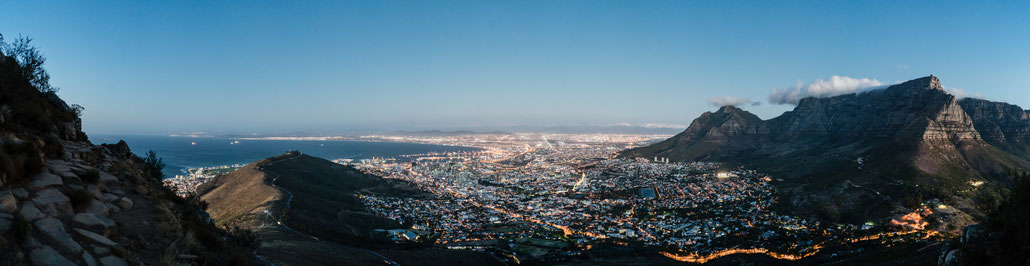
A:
<point x="20" y="193"/>
<point x="95" y="238"/>
<point x="107" y="178"/>
<point x="31" y="242"/>
<point x="5" y="222"/>
<point x="953" y="258"/>
<point x="53" y="230"/>
<point x="111" y="208"/>
<point x="81" y="169"/>
<point x="53" y="202"/>
<point x="974" y="234"/>
<point x="125" y="203"/>
<point x="112" y="261"/>
<point x="93" y="222"/>
<point x="67" y="175"/>
<point x="44" y="180"/>
<point x="120" y="149"/>
<point x="30" y="212"/>
<point x="96" y="207"/>
<point x="57" y="166"/>
<point x="95" y="191"/>
<point x="142" y="190"/>
<point x="108" y="197"/>
<point x="88" y="259"/>
<point x="45" y="255"/>
<point x="101" y="251"/>
<point x="8" y="203"/>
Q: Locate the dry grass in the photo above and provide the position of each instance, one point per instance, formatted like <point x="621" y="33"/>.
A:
<point x="224" y="201"/>
<point x="167" y="222"/>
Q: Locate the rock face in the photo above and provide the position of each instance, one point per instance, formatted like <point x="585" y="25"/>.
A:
<point x="48" y="256"/>
<point x="95" y="238"/>
<point x="910" y="134"/>
<point x="93" y="222"/>
<point x="53" y="202"/>
<point x="1003" y="125"/>
<point x="53" y="229"/>
<point x="44" y="180"/>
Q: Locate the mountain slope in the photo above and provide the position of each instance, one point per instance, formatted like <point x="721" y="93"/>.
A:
<point x="913" y="139"/>
<point x="65" y="201"/>
<point x="304" y="211"/>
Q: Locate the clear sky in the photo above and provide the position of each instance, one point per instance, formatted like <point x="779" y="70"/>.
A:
<point x="176" y="66"/>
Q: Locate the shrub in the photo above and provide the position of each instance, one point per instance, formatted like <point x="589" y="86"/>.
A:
<point x="20" y="228"/>
<point x="120" y="252"/>
<point x="239" y="259"/>
<point x="91" y="177"/>
<point x="20" y="160"/>
<point x="209" y="238"/>
<point x="1011" y="223"/>
<point x="30" y="61"/>
<point x="153" y="165"/>
<point x="80" y="199"/>
<point x="244" y="237"/>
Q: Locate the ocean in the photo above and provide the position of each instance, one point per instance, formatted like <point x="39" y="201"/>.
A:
<point x="180" y="153"/>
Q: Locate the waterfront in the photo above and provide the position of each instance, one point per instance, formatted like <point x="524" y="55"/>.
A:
<point x="182" y="153"/>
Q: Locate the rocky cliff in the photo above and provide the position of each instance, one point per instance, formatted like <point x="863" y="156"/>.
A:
<point x="1001" y="124"/>
<point x="870" y="149"/>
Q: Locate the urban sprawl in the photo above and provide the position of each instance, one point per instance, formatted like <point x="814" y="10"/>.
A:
<point x="552" y="196"/>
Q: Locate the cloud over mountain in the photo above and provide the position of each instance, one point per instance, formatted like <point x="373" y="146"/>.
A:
<point x="836" y="85"/>
<point x="728" y="100"/>
<point x="962" y="94"/>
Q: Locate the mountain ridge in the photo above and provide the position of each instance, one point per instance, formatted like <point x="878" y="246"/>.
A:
<point x="914" y="134"/>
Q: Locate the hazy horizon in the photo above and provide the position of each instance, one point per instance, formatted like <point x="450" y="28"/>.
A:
<point x="158" y="68"/>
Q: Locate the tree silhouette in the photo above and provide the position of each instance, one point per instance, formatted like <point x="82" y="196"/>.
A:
<point x="31" y="61"/>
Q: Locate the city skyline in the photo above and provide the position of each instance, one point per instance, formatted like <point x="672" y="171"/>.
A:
<point x="156" y="68"/>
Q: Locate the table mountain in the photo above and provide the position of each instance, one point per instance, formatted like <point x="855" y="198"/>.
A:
<point x="857" y="155"/>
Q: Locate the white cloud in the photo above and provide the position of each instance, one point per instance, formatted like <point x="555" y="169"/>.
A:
<point x="728" y="100"/>
<point x="960" y="93"/>
<point x="836" y="85"/>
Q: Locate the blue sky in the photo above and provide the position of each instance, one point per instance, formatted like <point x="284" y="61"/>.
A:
<point x="174" y="66"/>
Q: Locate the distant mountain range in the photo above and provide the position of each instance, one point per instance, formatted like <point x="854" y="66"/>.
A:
<point x="434" y="133"/>
<point x="858" y="155"/>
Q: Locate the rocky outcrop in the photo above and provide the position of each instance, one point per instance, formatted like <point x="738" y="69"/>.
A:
<point x="53" y="230"/>
<point x="65" y="201"/>
<point x="121" y="210"/>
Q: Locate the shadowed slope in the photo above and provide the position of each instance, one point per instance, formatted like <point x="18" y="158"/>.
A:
<point x="313" y="216"/>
